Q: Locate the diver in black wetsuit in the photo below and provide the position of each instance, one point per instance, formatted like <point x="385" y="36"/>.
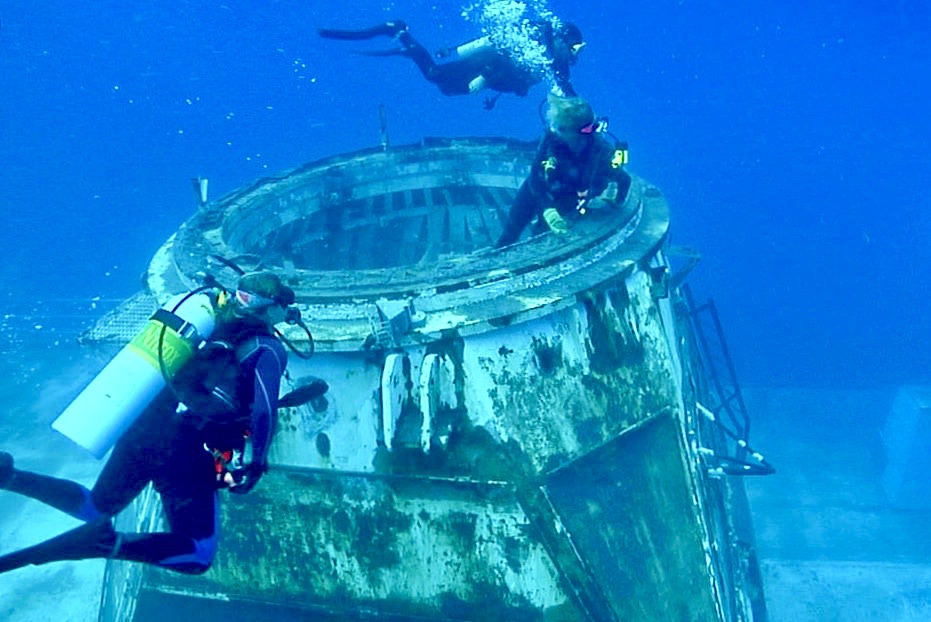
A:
<point x="575" y="170"/>
<point x="480" y="64"/>
<point x="224" y="399"/>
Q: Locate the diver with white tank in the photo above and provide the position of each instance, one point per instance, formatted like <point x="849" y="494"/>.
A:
<point x="191" y="404"/>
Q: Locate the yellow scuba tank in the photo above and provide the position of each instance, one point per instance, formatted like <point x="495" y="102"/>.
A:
<point x="113" y="400"/>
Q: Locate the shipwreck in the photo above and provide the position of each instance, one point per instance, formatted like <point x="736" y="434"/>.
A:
<point x="547" y="431"/>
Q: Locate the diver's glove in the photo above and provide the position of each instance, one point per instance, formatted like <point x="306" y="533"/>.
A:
<point x="556" y="223"/>
<point x="246" y="478"/>
<point x="608" y="198"/>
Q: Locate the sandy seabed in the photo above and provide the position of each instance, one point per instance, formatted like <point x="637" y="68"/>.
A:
<point x="38" y="382"/>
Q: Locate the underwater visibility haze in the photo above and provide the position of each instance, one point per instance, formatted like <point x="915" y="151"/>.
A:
<point x="791" y="139"/>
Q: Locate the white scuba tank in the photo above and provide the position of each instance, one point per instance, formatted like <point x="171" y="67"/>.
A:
<point x="131" y="380"/>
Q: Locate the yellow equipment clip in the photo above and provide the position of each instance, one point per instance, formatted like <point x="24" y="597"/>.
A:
<point x="620" y="157"/>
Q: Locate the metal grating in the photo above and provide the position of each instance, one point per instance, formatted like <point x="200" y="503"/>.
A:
<point x="122" y="323"/>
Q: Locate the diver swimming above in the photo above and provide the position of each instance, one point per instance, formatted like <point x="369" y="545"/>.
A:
<point x="480" y="64"/>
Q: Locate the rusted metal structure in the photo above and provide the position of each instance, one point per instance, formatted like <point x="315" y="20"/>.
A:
<point x="509" y="434"/>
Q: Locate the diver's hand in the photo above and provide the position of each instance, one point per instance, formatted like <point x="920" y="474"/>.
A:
<point x="554" y="221"/>
<point x="243" y="480"/>
<point x="610" y="193"/>
<point x="607" y="199"/>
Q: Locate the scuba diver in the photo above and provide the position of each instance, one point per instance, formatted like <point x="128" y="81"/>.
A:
<point x="480" y="64"/>
<point x="575" y="169"/>
<point x="209" y="429"/>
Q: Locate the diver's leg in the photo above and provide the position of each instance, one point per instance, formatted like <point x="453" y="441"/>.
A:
<point x="192" y="543"/>
<point x="184" y="476"/>
<point x="123" y="477"/>
<point x="94" y="539"/>
<point x="188" y="489"/>
<point x="173" y="551"/>
<point x="413" y="49"/>
<point x="62" y="494"/>
<point x="519" y="216"/>
<point x="134" y="461"/>
<point x="453" y="78"/>
<point x="139" y="457"/>
<point x="127" y="472"/>
<point x="189" y="548"/>
<point x="387" y="29"/>
<point x="115" y="488"/>
<point x="445" y="76"/>
<point x="448" y="77"/>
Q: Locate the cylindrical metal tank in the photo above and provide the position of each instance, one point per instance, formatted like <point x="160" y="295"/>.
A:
<point x="508" y="432"/>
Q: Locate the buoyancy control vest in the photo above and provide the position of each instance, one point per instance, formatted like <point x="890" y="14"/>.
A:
<point x="211" y="386"/>
<point x="215" y="389"/>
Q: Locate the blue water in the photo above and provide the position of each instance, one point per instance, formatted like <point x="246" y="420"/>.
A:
<point x="791" y="138"/>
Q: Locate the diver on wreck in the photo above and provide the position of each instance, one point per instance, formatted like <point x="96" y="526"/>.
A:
<point x="208" y="429"/>
<point x="575" y="169"/>
<point x="550" y="50"/>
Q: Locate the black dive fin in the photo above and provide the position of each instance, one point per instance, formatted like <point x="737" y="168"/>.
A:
<point x="91" y="540"/>
<point x="303" y="394"/>
<point x="391" y="52"/>
<point x="388" y="29"/>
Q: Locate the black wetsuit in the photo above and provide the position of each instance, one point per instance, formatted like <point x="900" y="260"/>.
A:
<point x="561" y="179"/>
<point x="455" y="77"/>
<point x="500" y="71"/>
<point x="167" y="448"/>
